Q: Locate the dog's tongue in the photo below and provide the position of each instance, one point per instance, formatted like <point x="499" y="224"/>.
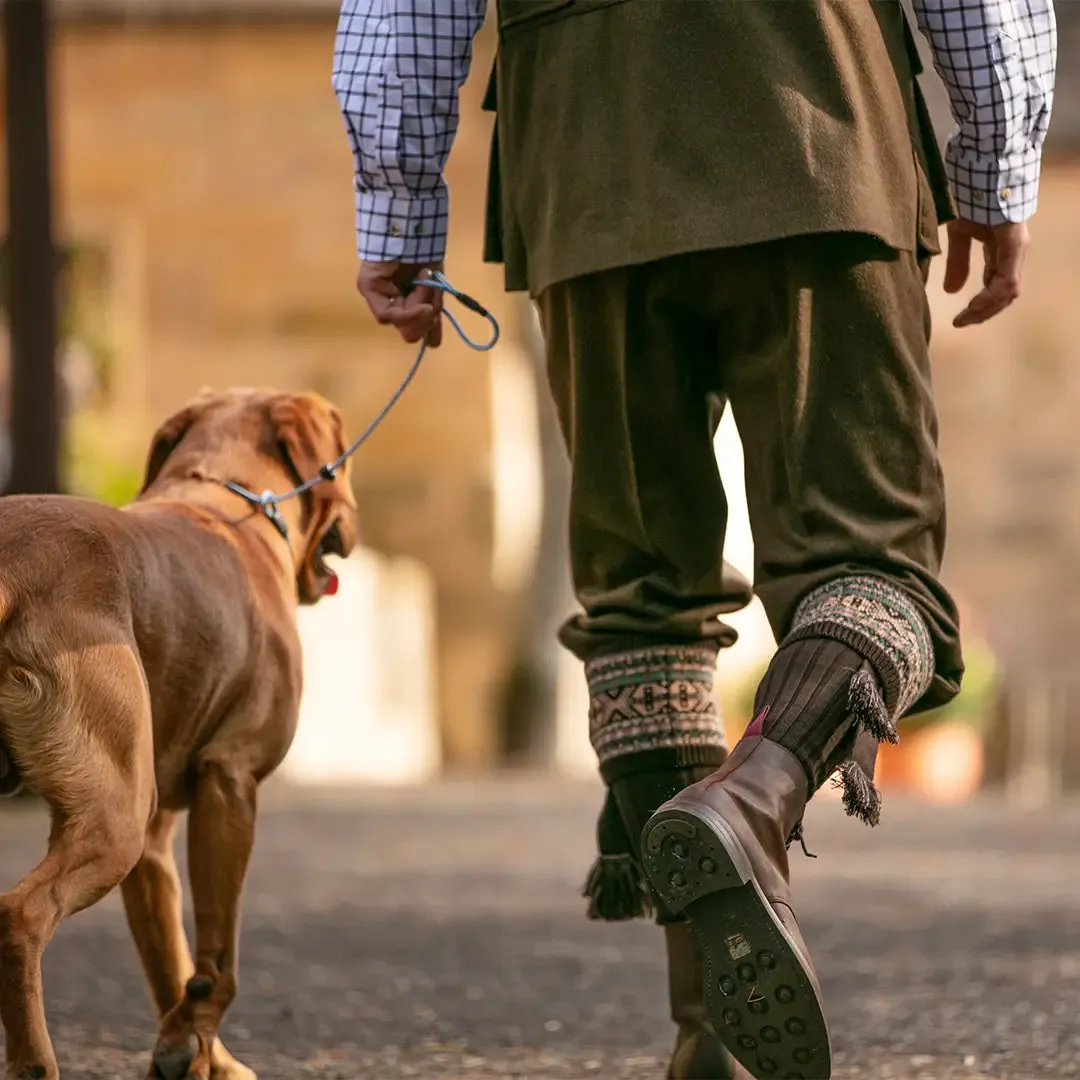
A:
<point x="331" y="586"/>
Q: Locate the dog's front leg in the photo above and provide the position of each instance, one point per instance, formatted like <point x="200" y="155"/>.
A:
<point x="152" y="899"/>
<point x="221" y="832"/>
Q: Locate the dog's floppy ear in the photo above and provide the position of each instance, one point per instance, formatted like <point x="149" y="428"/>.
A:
<point x="296" y="439"/>
<point x="168" y="437"/>
<point x="310" y="434"/>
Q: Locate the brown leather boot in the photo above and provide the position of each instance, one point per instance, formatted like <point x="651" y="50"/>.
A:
<point x="718" y="852"/>
<point x="698" y="1054"/>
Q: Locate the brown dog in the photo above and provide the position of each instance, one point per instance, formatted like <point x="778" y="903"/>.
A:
<point x="149" y="664"/>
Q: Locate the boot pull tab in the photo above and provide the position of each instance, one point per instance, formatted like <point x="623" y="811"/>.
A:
<point x="797" y="834"/>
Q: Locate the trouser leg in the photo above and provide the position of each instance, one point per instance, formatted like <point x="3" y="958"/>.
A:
<point x="828" y="372"/>
<point x="629" y="372"/>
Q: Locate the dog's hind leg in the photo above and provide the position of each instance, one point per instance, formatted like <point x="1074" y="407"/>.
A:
<point x="152" y="899"/>
<point x="81" y="732"/>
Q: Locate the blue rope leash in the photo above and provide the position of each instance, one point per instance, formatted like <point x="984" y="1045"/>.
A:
<point x="268" y="501"/>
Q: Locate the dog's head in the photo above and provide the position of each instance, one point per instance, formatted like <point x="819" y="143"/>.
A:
<point x="265" y="440"/>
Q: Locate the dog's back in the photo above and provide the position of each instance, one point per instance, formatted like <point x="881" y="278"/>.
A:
<point x="158" y="594"/>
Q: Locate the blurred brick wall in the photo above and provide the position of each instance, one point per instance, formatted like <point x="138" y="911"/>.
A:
<point x="1009" y="398"/>
<point x="211" y="159"/>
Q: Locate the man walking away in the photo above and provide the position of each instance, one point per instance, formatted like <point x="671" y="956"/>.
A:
<point x="714" y="203"/>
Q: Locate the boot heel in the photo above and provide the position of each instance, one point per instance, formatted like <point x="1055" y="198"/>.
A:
<point x="690" y="851"/>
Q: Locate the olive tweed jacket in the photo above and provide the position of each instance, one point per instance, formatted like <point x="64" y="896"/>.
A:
<point x="633" y="130"/>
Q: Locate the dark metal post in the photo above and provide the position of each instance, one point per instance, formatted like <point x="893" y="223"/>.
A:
<point x="31" y="252"/>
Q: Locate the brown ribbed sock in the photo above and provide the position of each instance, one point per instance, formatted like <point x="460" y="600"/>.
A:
<point x="856" y="657"/>
<point x="804" y="702"/>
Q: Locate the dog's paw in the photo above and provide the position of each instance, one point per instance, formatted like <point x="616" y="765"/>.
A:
<point x="174" y="1061"/>
<point x="31" y="1072"/>
<point x="223" y="1066"/>
<point x="233" y="1071"/>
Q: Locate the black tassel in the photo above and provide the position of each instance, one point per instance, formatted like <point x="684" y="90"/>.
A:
<point x="868" y="709"/>
<point x="861" y="798"/>
<point x="616" y="890"/>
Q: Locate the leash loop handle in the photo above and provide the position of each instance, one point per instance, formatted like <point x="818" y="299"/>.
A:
<point x="438" y="280"/>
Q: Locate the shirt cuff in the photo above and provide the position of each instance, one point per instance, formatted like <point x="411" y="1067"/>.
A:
<point x="393" y="228"/>
<point x="994" y="191"/>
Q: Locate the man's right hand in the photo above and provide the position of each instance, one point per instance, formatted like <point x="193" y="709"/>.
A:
<point x="394" y="301"/>
<point x="1004" y="248"/>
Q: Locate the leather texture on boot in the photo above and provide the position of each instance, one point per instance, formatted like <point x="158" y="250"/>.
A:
<point x="698" y="1053"/>
<point x="763" y="804"/>
<point x="717" y="851"/>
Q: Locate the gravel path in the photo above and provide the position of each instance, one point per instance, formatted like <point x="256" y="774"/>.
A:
<point x="438" y="933"/>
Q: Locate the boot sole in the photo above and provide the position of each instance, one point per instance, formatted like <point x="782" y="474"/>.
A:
<point x="760" y="995"/>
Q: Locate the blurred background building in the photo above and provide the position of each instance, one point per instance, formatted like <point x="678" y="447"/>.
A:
<point x="204" y="209"/>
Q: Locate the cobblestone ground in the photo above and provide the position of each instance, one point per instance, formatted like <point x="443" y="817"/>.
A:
<point x="439" y="933"/>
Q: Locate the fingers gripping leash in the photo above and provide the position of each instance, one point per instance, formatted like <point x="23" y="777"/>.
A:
<point x="269" y="502"/>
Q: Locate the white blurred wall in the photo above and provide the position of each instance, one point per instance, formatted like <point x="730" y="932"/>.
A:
<point x="369" y="708"/>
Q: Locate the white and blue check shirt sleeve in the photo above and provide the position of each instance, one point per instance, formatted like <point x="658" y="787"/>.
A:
<point x="398" y="67"/>
<point x="997" y="59"/>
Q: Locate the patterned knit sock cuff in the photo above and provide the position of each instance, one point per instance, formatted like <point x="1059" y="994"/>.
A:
<point x="880" y="622"/>
<point x="654" y="707"/>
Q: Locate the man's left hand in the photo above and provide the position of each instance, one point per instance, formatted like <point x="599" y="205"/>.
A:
<point x="1004" y="247"/>
<point x="415" y="311"/>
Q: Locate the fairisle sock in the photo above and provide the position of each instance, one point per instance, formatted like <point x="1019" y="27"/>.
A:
<point x="657" y="701"/>
<point x="881" y="623"/>
<point x="857" y="657"/>
<point x="655" y="726"/>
